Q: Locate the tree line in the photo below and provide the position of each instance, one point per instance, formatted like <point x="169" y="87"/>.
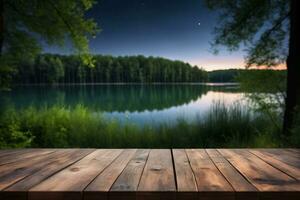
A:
<point x="224" y="75"/>
<point x="53" y="69"/>
<point x="50" y="68"/>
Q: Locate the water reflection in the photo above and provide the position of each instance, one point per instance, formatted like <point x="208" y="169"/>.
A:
<point x="140" y="104"/>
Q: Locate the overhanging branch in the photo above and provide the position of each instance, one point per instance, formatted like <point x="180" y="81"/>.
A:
<point x="60" y="15"/>
<point x="278" y="24"/>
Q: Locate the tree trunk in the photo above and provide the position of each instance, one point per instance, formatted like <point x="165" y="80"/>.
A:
<point x="292" y="100"/>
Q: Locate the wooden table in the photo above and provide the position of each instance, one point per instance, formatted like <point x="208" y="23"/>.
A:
<point x="121" y="174"/>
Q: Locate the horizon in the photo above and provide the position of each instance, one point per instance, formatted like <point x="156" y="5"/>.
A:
<point x="280" y="67"/>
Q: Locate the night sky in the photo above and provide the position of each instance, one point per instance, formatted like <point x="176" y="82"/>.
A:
<point x="175" y="29"/>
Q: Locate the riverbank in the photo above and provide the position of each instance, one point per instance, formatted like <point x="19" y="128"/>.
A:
<point x="59" y="126"/>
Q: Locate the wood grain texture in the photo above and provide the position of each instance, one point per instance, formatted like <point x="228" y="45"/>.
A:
<point x="24" y="155"/>
<point x="73" y="179"/>
<point x="185" y="179"/>
<point x="283" y="155"/>
<point x="99" y="187"/>
<point x="210" y="181"/>
<point x="130" y="177"/>
<point x="16" y="171"/>
<point x="282" y="166"/>
<point x="144" y="174"/>
<point x="239" y="183"/>
<point x="295" y="152"/>
<point x="125" y="187"/>
<point x="18" y="191"/>
<point x="57" y="164"/>
<point x="104" y="181"/>
<point x="207" y="175"/>
<point x="184" y="174"/>
<point x="158" y="180"/>
<point x="262" y="175"/>
<point x="5" y="152"/>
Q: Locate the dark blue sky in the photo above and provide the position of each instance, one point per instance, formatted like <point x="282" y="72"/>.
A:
<point x="166" y="28"/>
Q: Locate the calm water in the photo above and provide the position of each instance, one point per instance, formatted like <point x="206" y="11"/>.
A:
<point x="139" y="104"/>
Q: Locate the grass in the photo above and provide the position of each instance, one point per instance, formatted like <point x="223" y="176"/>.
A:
<point x="59" y="126"/>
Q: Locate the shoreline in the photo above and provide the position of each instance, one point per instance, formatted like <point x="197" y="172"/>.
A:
<point x="133" y="83"/>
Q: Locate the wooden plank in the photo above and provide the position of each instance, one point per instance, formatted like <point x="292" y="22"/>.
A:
<point x="19" y="190"/>
<point x="58" y="163"/>
<point x="263" y="176"/>
<point x="5" y="152"/>
<point x="286" y="151"/>
<point x="158" y="179"/>
<point x="126" y="185"/>
<point x="158" y="174"/>
<point x="238" y="182"/>
<point x="210" y="182"/>
<point x="22" y="164"/>
<point x="24" y="155"/>
<point x="100" y="186"/>
<point x="130" y="177"/>
<point x="185" y="179"/>
<point x="283" y="156"/>
<point x="245" y="190"/>
<point x="184" y="174"/>
<point x="295" y="151"/>
<point x="288" y="169"/>
<point x="70" y="182"/>
<point x="14" y="172"/>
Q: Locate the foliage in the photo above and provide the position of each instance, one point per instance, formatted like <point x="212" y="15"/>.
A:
<point x="261" y="26"/>
<point x="267" y="29"/>
<point x="49" y="68"/>
<point x="252" y="80"/>
<point x="29" y="24"/>
<point x="263" y="81"/>
<point x="11" y="133"/>
<point x="134" y="69"/>
<point x="54" y="21"/>
<point x="225" y="75"/>
<point x="60" y="126"/>
<point x="266" y="92"/>
<point x="6" y="74"/>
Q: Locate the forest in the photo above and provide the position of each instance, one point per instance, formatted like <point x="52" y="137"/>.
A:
<point x="65" y="69"/>
<point x="47" y="68"/>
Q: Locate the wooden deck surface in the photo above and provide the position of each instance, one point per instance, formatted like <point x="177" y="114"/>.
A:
<point x="121" y="174"/>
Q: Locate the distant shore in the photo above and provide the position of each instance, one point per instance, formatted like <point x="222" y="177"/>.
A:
<point x="136" y="83"/>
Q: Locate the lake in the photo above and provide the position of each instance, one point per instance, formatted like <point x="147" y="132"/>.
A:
<point x="137" y="104"/>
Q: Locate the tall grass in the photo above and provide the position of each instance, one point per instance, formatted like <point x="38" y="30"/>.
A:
<point x="60" y="126"/>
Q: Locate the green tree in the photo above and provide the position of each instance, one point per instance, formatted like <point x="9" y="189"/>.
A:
<point x="148" y="70"/>
<point x="117" y="72"/>
<point x="108" y="69"/>
<point x="25" y="24"/>
<point x="263" y="27"/>
<point x="54" y="70"/>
